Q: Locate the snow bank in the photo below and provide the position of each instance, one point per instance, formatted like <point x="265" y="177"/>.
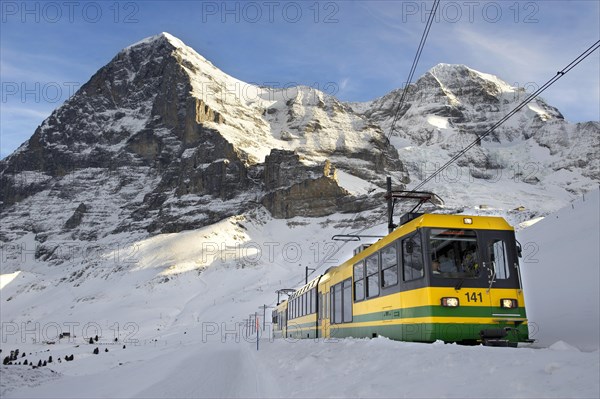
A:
<point x="376" y="368"/>
<point x="561" y="261"/>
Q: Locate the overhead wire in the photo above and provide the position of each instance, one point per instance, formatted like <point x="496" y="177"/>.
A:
<point x="413" y="68"/>
<point x="527" y="100"/>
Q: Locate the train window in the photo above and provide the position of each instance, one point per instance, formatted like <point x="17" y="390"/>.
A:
<point x="304" y="304"/>
<point x="359" y="282"/>
<point x="389" y="266"/>
<point x="320" y="307"/>
<point x="372" y="276"/>
<point x="453" y="253"/>
<point x="314" y="300"/>
<point x="497" y="251"/>
<point x="412" y="258"/>
<point x="347" y="299"/>
<point x="330" y="304"/>
<point x="337" y="303"/>
<point x="305" y="307"/>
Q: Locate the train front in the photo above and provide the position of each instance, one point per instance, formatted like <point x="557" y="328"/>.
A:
<point x="475" y="287"/>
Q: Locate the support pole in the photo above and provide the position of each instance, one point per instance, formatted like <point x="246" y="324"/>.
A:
<point x="390" y="204"/>
<point x="306" y="269"/>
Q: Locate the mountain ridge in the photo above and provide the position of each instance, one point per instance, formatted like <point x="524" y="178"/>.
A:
<point x="161" y="140"/>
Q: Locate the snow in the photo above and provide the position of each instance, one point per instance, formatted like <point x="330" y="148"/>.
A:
<point x="164" y="35"/>
<point x="184" y="300"/>
<point x="561" y="263"/>
<point x="438" y="121"/>
<point x="7" y="278"/>
<point x="378" y="368"/>
<point x="355" y="185"/>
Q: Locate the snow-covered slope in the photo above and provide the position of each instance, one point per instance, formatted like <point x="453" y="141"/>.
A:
<point x="561" y="274"/>
<point x="178" y="305"/>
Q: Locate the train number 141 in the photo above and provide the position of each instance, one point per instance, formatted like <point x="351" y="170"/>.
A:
<point x="474" y="296"/>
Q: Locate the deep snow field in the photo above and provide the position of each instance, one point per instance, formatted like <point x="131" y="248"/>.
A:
<point x="178" y="310"/>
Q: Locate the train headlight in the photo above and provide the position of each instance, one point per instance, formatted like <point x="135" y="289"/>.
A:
<point x="450" y="302"/>
<point x="467" y="220"/>
<point x="509" y="303"/>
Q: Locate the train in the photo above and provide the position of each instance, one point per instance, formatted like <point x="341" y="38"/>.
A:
<point x="449" y="277"/>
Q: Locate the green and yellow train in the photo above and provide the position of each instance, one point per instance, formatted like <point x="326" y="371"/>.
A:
<point x="453" y="278"/>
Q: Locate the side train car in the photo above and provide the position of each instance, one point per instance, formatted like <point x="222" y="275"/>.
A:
<point x="453" y="278"/>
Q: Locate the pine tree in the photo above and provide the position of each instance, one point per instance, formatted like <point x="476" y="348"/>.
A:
<point x="96" y="351"/>
<point x="44" y="364"/>
<point x="40" y="363"/>
<point x="96" y="338"/>
<point x="50" y="359"/>
<point x="91" y="340"/>
<point x="25" y="363"/>
<point x="105" y="349"/>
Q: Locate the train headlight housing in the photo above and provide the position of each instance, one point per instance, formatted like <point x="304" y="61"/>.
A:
<point x="450" y="302"/>
<point x="509" y="303"/>
<point x="468" y="220"/>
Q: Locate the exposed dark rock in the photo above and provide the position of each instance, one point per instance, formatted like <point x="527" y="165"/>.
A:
<point x="76" y="218"/>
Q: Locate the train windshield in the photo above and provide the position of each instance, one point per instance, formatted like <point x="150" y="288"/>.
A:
<point x="454" y="253"/>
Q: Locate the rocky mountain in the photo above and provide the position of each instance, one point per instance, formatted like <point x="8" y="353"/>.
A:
<point x="160" y="140"/>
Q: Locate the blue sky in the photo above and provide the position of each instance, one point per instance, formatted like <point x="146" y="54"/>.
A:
<point x="357" y="50"/>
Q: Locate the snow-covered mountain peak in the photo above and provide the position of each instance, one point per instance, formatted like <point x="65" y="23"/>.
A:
<point x="455" y="75"/>
<point x="157" y="39"/>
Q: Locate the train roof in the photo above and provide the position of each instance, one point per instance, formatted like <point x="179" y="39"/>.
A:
<point x="433" y="220"/>
<point x="306" y="287"/>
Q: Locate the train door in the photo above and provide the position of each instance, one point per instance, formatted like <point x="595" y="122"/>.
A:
<point x="498" y="262"/>
<point x="324" y="313"/>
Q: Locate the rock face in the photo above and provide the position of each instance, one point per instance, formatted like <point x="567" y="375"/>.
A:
<point x="160" y="140"/>
<point x="294" y="190"/>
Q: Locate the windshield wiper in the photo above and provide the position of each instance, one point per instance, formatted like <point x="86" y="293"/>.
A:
<point x="458" y="285"/>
